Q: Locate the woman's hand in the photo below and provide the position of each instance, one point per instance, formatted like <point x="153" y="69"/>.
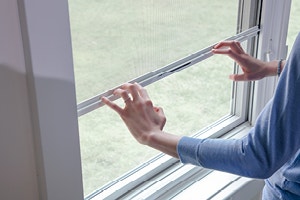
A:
<point x="144" y="121"/>
<point x="253" y="69"/>
<point x="140" y="116"/>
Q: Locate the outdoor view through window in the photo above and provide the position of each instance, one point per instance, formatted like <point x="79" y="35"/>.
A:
<point x="115" y="41"/>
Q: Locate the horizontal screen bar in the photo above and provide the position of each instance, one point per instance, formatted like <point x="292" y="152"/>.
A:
<point x="146" y="79"/>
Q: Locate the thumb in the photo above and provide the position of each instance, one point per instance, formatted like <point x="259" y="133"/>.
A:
<point x="238" y="77"/>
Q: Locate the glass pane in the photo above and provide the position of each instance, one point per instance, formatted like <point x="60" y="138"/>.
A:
<point x="191" y="99"/>
<point x="116" y="41"/>
<point x="294" y="25"/>
<point x="195" y="97"/>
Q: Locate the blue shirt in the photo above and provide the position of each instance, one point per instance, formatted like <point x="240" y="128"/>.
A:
<point x="271" y="150"/>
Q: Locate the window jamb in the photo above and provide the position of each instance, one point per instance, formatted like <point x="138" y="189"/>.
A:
<point x="271" y="46"/>
<point x="49" y="73"/>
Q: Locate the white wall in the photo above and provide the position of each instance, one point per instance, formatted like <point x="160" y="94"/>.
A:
<point x="17" y="161"/>
<point x="39" y="140"/>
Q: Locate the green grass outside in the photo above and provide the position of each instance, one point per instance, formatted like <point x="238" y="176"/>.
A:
<point x="114" y="41"/>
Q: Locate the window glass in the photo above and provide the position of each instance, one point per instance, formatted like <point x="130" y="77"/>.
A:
<point x="294" y="25"/>
<point x="195" y="97"/>
<point x="116" y="41"/>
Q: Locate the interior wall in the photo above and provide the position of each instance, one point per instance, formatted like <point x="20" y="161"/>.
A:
<point x="39" y="138"/>
<point x="18" y="178"/>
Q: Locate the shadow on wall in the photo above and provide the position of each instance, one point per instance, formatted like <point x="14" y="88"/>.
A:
<point x="18" y="116"/>
<point x="17" y="168"/>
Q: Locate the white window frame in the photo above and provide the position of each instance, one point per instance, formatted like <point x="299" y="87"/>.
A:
<point x="122" y="185"/>
<point x="272" y="46"/>
<point x="48" y="58"/>
<point x="45" y="32"/>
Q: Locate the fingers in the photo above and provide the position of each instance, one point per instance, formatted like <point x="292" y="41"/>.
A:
<point x="127" y="91"/>
<point x="132" y="89"/>
<point x="112" y="105"/>
<point x="142" y="91"/>
<point x="136" y="91"/>
<point x="228" y="47"/>
<point x="230" y="43"/>
<point x="238" y="77"/>
<point x="122" y="93"/>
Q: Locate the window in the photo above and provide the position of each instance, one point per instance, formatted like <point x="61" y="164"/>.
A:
<point x="49" y="73"/>
<point x="166" y="47"/>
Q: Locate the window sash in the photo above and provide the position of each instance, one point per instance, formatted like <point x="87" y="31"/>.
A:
<point x="254" y="99"/>
<point x="239" y="114"/>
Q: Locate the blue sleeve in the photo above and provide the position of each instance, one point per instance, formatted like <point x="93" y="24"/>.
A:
<point x="273" y="140"/>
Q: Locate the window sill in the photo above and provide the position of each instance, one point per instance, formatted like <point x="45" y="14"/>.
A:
<point x="166" y="178"/>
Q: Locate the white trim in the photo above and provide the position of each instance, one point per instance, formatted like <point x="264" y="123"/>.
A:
<point x="272" y="46"/>
<point x="48" y="59"/>
<point x="18" y="172"/>
<point x="242" y="188"/>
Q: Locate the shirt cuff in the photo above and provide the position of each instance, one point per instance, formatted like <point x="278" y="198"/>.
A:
<point x="187" y="149"/>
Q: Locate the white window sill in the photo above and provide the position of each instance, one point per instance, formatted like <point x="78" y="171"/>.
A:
<point x="167" y="178"/>
<point x="220" y="185"/>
